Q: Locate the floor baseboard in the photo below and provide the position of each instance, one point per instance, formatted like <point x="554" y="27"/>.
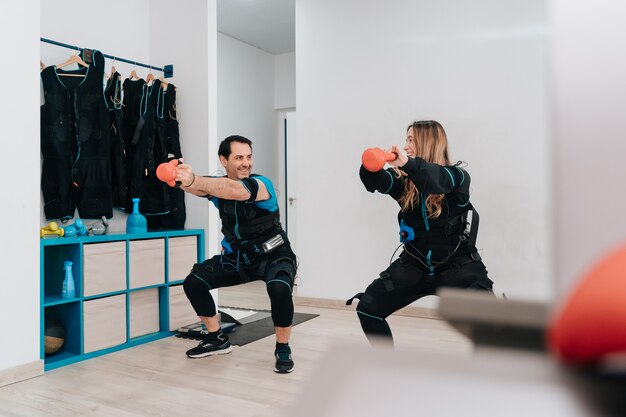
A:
<point x="21" y="373"/>
<point x="409" y="311"/>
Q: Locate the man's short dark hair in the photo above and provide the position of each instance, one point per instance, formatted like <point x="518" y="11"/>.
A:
<point x="224" y="149"/>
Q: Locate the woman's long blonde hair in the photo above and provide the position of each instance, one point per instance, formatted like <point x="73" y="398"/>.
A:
<point x="430" y="144"/>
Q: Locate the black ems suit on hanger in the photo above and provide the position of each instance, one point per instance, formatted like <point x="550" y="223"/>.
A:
<point x="113" y="95"/>
<point x="75" y="143"/>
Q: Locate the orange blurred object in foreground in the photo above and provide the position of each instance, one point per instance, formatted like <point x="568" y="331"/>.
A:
<point x="592" y="322"/>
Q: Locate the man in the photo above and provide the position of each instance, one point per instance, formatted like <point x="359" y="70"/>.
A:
<point x="255" y="247"/>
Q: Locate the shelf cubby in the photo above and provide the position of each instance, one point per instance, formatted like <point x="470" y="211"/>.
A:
<point x="122" y="290"/>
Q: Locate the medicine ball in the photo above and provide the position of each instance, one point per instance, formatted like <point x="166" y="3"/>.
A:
<point x="54" y="335"/>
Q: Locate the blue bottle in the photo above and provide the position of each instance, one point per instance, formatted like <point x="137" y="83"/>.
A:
<point x="136" y="222"/>
<point x="69" y="289"/>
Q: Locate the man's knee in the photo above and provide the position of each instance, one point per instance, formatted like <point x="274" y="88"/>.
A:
<point x="280" y="287"/>
<point x="279" y="279"/>
<point x="194" y="282"/>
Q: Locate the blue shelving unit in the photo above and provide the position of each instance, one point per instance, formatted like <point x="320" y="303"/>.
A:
<point x="70" y="312"/>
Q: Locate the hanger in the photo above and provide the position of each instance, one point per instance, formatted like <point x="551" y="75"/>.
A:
<point x="133" y="73"/>
<point x="73" y="59"/>
<point x="113" y="70"/>
<point x="41" y="65"/>
<point x="117" y="96"/>
<point x="149" y="77"/>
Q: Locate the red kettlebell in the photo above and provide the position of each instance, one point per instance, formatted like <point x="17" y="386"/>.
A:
<point x="374" y="159"/>
<point x="167" y="171"/>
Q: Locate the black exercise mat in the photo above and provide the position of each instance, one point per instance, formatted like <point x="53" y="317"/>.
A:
<point x="245" y="333"/>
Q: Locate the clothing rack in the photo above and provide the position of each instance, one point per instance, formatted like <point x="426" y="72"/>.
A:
<point x="167" y="70"/>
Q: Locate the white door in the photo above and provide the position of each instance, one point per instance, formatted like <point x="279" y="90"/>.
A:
<point x="291" y="180"/>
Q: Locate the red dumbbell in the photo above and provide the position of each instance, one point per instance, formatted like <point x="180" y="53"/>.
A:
<point x="167" y="171"/>
<point x="374" y="159"/>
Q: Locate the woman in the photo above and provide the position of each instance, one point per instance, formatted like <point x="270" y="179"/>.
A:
<point x="438" y="250"/>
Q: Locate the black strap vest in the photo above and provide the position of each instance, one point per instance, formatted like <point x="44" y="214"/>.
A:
<point x="244" y="222"/>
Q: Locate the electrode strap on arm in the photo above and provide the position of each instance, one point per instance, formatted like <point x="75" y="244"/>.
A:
<point x="252" y="186"/>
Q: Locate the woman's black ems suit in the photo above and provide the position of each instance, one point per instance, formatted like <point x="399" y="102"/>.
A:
<point x="437" y="252"/>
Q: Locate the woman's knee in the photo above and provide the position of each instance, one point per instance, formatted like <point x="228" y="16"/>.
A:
<point x="369" y="307"/>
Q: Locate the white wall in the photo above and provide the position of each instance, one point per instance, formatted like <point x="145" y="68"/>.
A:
<point x="245" y="100"/>
<point x="588" y="54"/>
<point x="93" y="26"/>
<point x="19" y="130"/>
<point x="365" y="70"/>
<point x="285" y="80"/>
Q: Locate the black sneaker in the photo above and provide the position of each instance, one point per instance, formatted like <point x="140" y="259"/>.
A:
<point x="284" y="364"/>
<point x="211" y="345"/>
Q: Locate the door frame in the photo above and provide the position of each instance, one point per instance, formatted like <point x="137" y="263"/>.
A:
<point x="282" y="164"/>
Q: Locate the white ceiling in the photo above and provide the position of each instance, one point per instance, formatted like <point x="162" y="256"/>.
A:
<point x="269" y="25"/>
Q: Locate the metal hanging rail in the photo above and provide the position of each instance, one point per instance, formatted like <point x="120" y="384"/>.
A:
<point x="167" y="70"/>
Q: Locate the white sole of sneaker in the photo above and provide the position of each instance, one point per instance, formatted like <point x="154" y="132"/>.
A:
<point x="283" y="372"/>
<point x="215" y="352"/>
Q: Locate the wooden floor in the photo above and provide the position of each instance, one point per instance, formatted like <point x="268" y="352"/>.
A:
<point x="157" y="379"/>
